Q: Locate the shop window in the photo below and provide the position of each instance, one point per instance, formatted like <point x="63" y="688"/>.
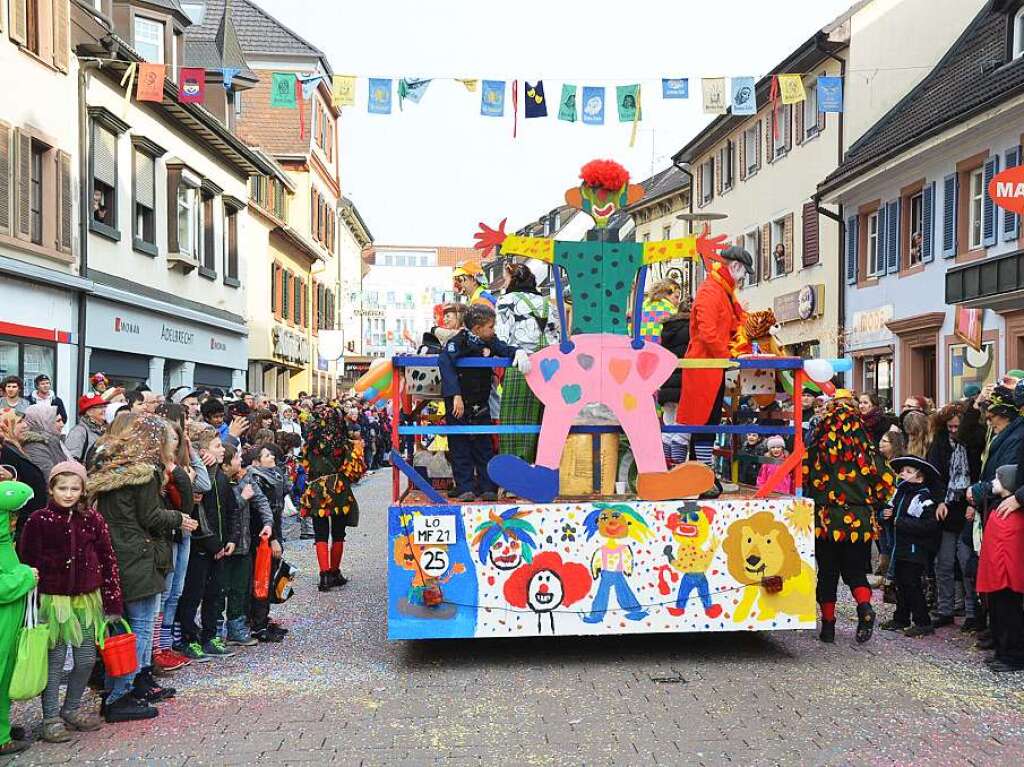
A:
<point x="27" y="360"/>
<point x="149" y="39"/>
<point x="104" y="180"/>
<point x="878" y="378"/>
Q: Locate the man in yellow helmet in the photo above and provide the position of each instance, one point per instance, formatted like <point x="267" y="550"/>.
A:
<point x="471" y="282"/>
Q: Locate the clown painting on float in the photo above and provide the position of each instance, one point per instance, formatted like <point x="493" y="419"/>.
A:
<point x="506" y="540"/>
<point x="431" y="568"/>
<point x="545" y="585"/>
<point x="600" y="363"/>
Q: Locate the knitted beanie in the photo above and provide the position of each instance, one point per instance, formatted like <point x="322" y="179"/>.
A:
<point x="68" y="467"/>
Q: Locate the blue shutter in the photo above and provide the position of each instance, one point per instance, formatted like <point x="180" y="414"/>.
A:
<point x="1011" y="221"/>
<point x="949" y="195"/>
<point x="988" y="207"/>
<point x="851" y="250"/>
<point x="881" y="245"/>
<point x="892" y="236"/>
<point x="928" y="224"/>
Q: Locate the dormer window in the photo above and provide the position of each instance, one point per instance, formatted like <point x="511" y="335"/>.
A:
<point x="149" y="39"/>
<point x="195" y="11"/>
<point x="1017" y="33"/>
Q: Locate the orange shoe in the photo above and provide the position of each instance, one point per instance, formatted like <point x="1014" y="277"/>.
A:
<point x="687" y="480"/>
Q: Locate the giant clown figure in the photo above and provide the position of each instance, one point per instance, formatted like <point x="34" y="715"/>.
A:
<point x="600" y="362"/>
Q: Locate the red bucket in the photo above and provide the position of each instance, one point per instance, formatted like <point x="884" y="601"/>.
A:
<point x="118" y="652"/>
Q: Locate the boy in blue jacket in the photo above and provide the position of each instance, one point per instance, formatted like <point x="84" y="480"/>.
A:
<point x="466" y="391"/>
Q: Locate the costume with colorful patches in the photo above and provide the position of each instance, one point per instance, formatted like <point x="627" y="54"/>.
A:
<point x="599" y="363"/>
<point x="849" y="483"/>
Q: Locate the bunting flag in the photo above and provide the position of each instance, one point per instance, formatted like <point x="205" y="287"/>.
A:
<point x="492" y="98"/>
<point x="830" y="94"/>
<point x="151" y="82"/>
<point x="792" y="87"/>
<point x="380" y="96"/>
<point x="412" y="89"/>
<point x="627" y="101"/>
<point x="636" y="119"/>
<point x="192" y="85"/>
<point x="470" y="84"/>
<point x="299" y="91"/>
<point x="515" y="107"/>
<point x="744" y="96"/>
<point x="229" y="74"/>
<point x="536" y="105"/>
<point x="675" y="88"/>
<point x="773" y="96"/>
<point x="567" y="104"/>
<point x="282" y="90"/>
<point x="309" y="84"/>
<point x="343" y="90"/>
<point x="714" y="95"/>
<point x="593" y="105"/>
<point x="128" y="78"/>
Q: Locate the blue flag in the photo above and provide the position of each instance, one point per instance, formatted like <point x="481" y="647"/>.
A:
<point x="744" y="96"/>
<point x="830" y="94"/>
<point x="675" y="88"/>
<point x="309" y="84"/>
<point x="593" y="105"/>
<point x="380" y="96"/>
<point x="229" y="76"/>
<point x="535" y="104"/>
<point x="412" y="89"/>
<point x="492" y="98"/>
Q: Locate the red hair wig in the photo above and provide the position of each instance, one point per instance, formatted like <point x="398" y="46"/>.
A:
<point x="606" y="174"/>
<point x="575" y="579"/>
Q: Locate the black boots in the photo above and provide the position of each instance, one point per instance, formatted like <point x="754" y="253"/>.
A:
<point x="326" y="581"/>
<point x="865" y="622"/>
<point x="337" y="579"/>
<point x="828" y="631"/>
<point x="128" y="708"/>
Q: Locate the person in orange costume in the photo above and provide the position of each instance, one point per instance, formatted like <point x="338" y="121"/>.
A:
<point x="716" y="321"/>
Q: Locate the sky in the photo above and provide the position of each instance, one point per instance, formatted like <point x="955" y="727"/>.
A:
<point x="428" y="174"/>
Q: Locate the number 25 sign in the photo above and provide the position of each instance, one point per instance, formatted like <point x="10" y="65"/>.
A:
<point x="1007" y="189"/>
<point x="433" y="529"/>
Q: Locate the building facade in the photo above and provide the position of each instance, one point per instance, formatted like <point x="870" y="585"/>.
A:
<point x="40" y="283"/>
<point x="931" y="261"/>
<point x="656" y="217"/>
<point x="353" y="238"/>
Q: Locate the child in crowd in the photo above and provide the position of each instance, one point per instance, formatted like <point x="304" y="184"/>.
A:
<point x="466" y="391"/>
<point x="752" y="449"/>
<point x="915" y="531"/>
<point x="266" y="468"/>
<point x="69" y="544"/>
<point x="776" y="454"/>
<point x="255" y="521"/>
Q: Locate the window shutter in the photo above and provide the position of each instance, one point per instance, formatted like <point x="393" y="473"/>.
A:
<point x="949" y="195"/>
<point x="145" y="180"/>
<point x="757" y="145"/>
<point x="989" y="225"/>
<point x="741" y="151"/>
<point x="766" y="251"/>
<point x="699" y="179"/>
<point x="232" y="245"/>
<point x="22" y="184"/>
<point x="787" y="125"/>
<point x="892" y="236"/>
<point x="928" y="223"/>
<point x="787" y="241"/>
<point x="799" y="120"/>
<point x="718" y="171"/>
<point x="173" y="180"/>
<point x="61" y="34"/>
<point x="286" y="297"/>
<point x="851" y="250"/>
<point x="65" y="204"/>
<point x="104" y="162"/>
<point x="5" y="178"/>
<point x="273" y="289"/>
<point x="1011" y="221"/>
<point x="811" y="237"/>
<point x="19" y="21"/>
<point x="821" y="119"/>
<point x="769" y="137"/>
<point x="883" y="242"/>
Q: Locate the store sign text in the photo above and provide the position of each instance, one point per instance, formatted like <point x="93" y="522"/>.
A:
<point x="1007" y="189"/>
<point x="290" y="346"/>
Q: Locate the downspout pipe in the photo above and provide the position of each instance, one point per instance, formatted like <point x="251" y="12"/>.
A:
<point x="689" y="224"/>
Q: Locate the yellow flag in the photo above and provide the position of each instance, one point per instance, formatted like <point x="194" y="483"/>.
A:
<point x="343" y="90"/>
<point x="470" y="84"/>
<point x="792" y="87"/>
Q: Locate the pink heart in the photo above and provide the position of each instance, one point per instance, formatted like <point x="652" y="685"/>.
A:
<point x="646" y="364"/>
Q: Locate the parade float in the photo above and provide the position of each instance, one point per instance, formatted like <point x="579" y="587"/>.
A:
<point x="654" y="555"/>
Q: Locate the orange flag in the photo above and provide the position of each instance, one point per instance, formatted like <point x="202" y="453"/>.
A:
<point x="151" y="82"/>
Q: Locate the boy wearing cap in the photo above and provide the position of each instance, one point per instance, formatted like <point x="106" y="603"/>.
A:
<point x="90" y="427"/>
<point x="916" y="534"/>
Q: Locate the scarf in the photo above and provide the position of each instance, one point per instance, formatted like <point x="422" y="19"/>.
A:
<point x="959" y="472"/>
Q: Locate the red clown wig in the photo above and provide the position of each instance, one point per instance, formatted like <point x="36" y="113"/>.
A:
<point x="605" y="174"/>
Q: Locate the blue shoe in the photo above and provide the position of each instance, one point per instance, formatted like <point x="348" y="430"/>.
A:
<point x="636" y="615"/>
<point x="593" y="618"/>
<point x="534" y="483"/>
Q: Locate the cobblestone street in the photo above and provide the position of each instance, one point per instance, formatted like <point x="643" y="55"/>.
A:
<point x="336" y="692"/>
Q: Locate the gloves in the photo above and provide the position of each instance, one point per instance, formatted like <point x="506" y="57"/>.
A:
<point x="522" y="361"/>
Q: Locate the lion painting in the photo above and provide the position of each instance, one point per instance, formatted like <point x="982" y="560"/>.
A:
<point x="759" y="547"/>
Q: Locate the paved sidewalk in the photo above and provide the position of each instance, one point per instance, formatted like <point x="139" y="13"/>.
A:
<point x="336" y="692"/>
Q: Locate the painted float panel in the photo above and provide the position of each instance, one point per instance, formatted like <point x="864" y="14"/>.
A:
<point x="600" y="568"/>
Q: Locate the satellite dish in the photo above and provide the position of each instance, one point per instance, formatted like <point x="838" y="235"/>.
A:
<point x="976" y="359"/>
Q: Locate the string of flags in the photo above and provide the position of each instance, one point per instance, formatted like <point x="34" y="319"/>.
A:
<point x="586" y="104"/>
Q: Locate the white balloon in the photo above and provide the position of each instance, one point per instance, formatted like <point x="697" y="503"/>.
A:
<point x="819" y="370"/>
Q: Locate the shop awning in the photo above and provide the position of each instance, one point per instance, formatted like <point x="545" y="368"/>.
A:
<point x="990" y="283"/>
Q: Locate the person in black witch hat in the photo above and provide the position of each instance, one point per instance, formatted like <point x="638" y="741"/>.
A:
<point x="916" y="537"/>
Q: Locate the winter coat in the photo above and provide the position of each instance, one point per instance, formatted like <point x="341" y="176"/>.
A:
<point x="82" y="439"/>
<point x="1001" y="563"/>
<point x="253" y="514"/>
<point x="45" y="450"/>
<point x="522" y="321"/>
<point x="915" y="528"/>
<point x="275" y="485"/>
<point x="54" y="400"/>
<point x="766" y="470"/>
<point x="750" y="466"/>
<point x="939" y="455"/>
<point x="675" y="336"/>
<point x="74" y="555"/>
<point x="140" y="526"/>
<point x="1004" y="449"/>
<point x="714" y="320"/>
<point x="473" y="384"/>
<point x="222" y="515"/>
<point x="28" y="473"/>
